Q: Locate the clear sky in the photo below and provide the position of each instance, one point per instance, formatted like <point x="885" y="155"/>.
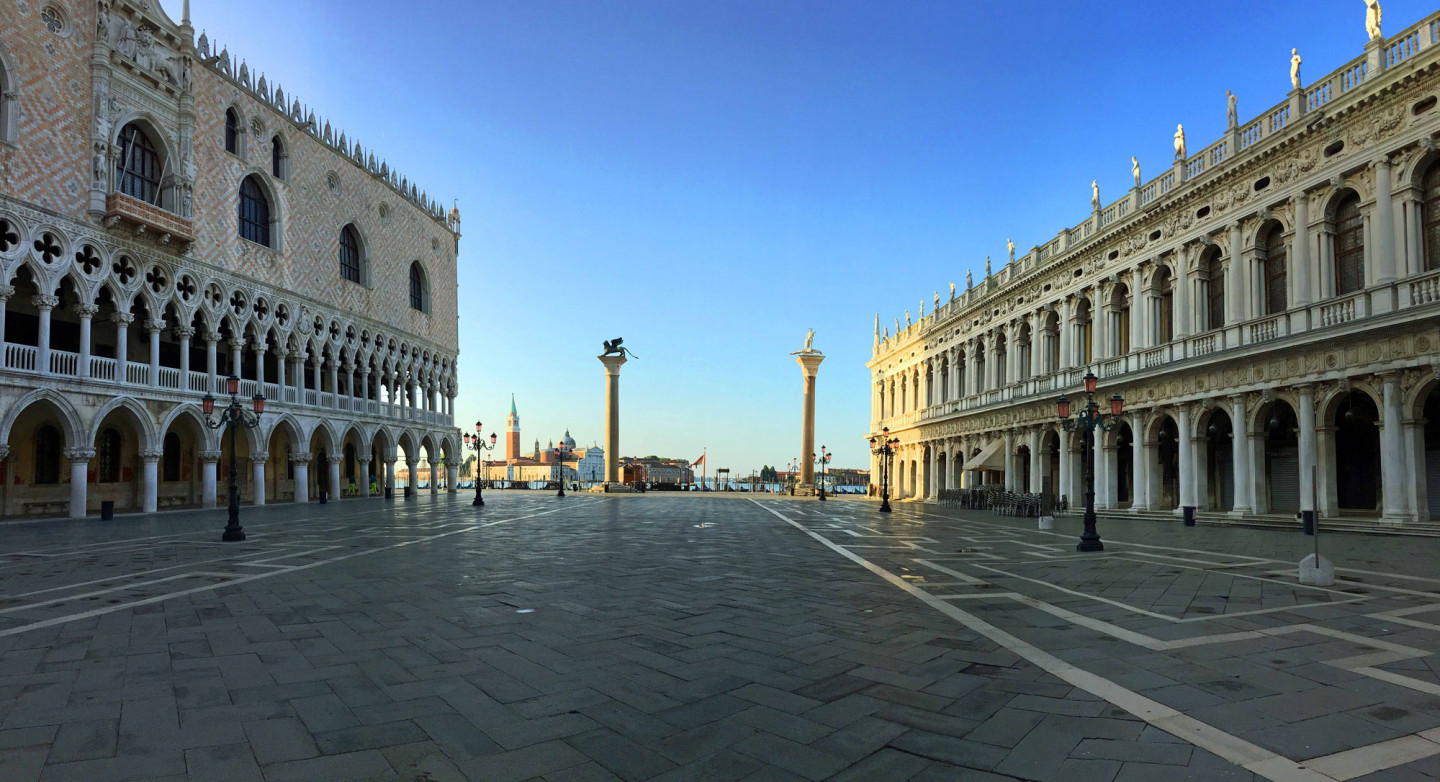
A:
<point x="710" y="179"/>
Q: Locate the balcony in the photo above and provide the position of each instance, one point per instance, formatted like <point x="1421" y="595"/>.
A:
<point x="165" y="227"/>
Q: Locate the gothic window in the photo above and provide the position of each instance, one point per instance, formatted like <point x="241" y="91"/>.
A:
<point x="277" y="158"/>
<point x="349" y="255"/>
<point x="170" y="464"/>
<point x="419" y="292"/>
<point x="48" y="445"/>
<point x="1349" y="246"/>
<point x="254" y="212"/>
<point x="6" y="109"/>
<point x="1276" y="299"/>
<point x="137" y="166"/>
<point x="107" y="456"/>
<point x="232" y="132"/>
<point x="1431" y="218"/>
<point x="1213" y="279"/>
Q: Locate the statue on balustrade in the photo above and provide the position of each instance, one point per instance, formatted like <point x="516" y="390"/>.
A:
<point x="1179" y="143"/>
<point x="1095" y="194"/>
<point x="1010" y="245"/>
<point x="1295" y="69"/>
<point x="952" y="291"/>
<point x="1232" y="116"/>
<point x="1135" y="169"/>
<point x="1372" y="19"/>
<point x="969" y="281"/>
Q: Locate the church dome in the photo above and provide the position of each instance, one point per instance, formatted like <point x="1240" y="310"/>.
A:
<point x="567" y="440"/>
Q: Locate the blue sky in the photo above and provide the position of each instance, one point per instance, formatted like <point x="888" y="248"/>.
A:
<point x="710" y="179"/>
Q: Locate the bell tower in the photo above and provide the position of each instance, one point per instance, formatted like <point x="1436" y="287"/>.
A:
<point x="512" y="434"/>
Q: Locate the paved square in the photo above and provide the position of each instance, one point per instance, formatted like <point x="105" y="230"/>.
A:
<point x="707" y="638"/>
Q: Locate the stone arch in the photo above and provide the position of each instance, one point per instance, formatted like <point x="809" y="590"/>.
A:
<point x="138" y="417"/>
<point x="166" y="197"/>
<point x="274" y="201"/>
<point x="191" y="411"/>
<point x="183" y="434"/>
<point x="76" y="433"/>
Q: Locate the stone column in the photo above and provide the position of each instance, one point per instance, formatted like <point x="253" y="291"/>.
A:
<point x="1010" y="477"/>
<point x="87" y="314"/>
<point x="79" y="475"/>
<point x="1186" y="445"/>
<point x="184" y="333"/>
<point x="1383" y="227"/>
<point x="932" y="487"/>
<point x="334" y="383"/>
<point x="1298" y="259"/>
<point x="1393" y="465"/>
<point x="434" y="484"/>
<point x="390" y="471"/>
<point x="1308" y="446"/>
<point x="257" y="476"/>
<point x="122" y="345"/>
<point x="282" y="357"/>
<point x="335" y="474"/>
<point x="452" y="475"/>
<point x="6" y="291"/>
<point x="1140" y="485"/>
<point x="1182" y="296"/>
<point x="1240" y="454"/>
<point x="236" y="345"/>
<point x="362" y="480"/>
<point x="412" y="470"/>
<point x="612" y="416"/>
<point x="260" y="349"/>
<point x="809" y="362"/>
<point x="208" y="460"/>
<point x="1104" y="471"/>
<point x="212" y="362"/>
<point x="302" y="476"/>
<point x="153" y="327"/>
<point x="1037" y="477"/>
<point x="1067" y="479"/>
<point x="44" y="304"/>
<point x="150" y="482"/>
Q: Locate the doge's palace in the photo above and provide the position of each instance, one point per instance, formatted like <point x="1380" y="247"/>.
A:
<point x="1268" y="307"/>
<point x="168" y="218"/>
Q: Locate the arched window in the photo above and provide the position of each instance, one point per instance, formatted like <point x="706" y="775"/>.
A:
<point x="171" y="459"/>
<point x="107" y="456"/>
<point x="7" y="108"/>
<point x="1273" y="247"/>
<point x="1349" y="246"/>
<point x="137" y="166"/>
<point x="1212" y="280"/>
<point x="48" y="445"/>
<point x="277" y="157"/>
<point x="232" y="132"/>
<point x="1430" y="218"/>
<point x="419" y="293"/>
<point x="254" y="212"/>
<point x="1164" y="307"/>
<point x="350" y="256"/>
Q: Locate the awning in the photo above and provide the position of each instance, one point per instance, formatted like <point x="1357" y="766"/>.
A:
<point x="991" y="457"/>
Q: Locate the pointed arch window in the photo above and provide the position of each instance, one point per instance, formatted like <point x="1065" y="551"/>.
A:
<point x="1349" y="246"/>
<point x="1431" y="218"/>
<point x="232" y="132"/>
<point x="107" y="456"/>
<point x="137" y="166"/>
<point x="349" y="255"/>
<point x="1276" y="298"/>
<point x="419" y="291"/>
<point x="48" y="445"/>
<point x="254" y="212"/>
<point x="278" y="158"/>
<point x="6" y="104"/>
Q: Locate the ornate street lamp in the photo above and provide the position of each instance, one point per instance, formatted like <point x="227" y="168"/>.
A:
<point x="886" y="451"/>
<point x="1089" y="420"/>
<point x="823" y="459"/>
<point x="233" y="417"/>
<point x="562" y="452"/>
<point x="477" y="444"/>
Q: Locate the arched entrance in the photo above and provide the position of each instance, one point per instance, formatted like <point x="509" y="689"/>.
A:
<point x="117" y="473"/>
<point x="1218" y="459"/>
<point x="1281" y="428"/>
<point x="1165" y="469"/>
<point x="1050" y="456"/>
<point x="181" y="483"/>
<point x="1357" y="449"/>
<point x="1123" y="439"/>
<point x="1431" y="415"/>
<point x="1022" y="469"/>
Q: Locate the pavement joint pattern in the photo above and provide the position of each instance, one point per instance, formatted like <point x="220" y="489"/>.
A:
<point x="714" y="638"/>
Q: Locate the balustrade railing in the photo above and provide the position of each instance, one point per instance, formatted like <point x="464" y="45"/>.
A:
<point x="137" y="374"/>
<point x="199" y="382"/>
<point x="169" y="378"/>
<point x="102" y="368"/>
<point x="63" y="362"/>
<point x="21" y="357"/>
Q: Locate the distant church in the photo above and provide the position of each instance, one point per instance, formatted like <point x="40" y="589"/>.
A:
<point x="580" y="464"/>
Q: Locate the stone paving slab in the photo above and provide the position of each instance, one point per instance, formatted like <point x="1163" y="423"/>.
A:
<point x="702" y="638"/>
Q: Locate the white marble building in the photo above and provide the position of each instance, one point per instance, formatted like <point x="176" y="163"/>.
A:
<point x="1268" y="307"/>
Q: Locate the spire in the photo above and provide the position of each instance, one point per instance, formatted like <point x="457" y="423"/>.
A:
<point x="512" y="404"/>
<point x="185" y="13"/>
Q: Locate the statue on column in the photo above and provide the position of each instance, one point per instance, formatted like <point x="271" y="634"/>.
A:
<point x="809" y="341"/>
<point x="1295" y="69"/>
<point x="1232" y="116"/>
<point x="1372" y="19"/>
<point x="1179" y="143"/>
<point x="1135" y="169"/>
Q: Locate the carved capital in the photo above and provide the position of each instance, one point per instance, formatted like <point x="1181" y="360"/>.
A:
<point x="79" y="454"/>
<point x="209" y="457"/>
<point x="184" y="332"/>
<point x="155" y="325"/>
<point x="4" y="451"/>
<point x="122" y="319"/>
<point x="6" y="291"/>
<point x="236" y="343"/>
<point x="259" y="456"/>
<point x="301" y="458"/>
<point x="44" y="302"/>
<point x="150" y="456"/>
<point x="335" y="459"/>
<point x="210" y="336"/>
<point x="363" y="459"/>
<point x="85" y="310"/>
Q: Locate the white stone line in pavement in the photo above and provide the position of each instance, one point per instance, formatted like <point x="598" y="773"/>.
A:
<point x="256" y="577"/>
<point x="1397" y="590"/>
<point x="968" y="579"/>
<point x="1361" y="761"/>
<point x="93" y="593"/>
<point x="119" y="576"/>
<point x="1251" y="757"/>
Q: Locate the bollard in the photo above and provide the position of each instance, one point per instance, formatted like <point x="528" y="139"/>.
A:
<point x="1189" y="516"/>
<point x="107" y="510"/>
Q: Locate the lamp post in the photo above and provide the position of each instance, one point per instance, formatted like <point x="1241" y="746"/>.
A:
<point x="231" y="417"/>
<point x="562" y="452"/>
<point x="1088" y="421"/>
<point x="477" y="444"/>
<point x="886" y="451"/>
<point x="824" y="459"/>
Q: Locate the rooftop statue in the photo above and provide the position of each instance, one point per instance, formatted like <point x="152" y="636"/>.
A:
<point x="1135" y="169"/>
<point x="1095" y="194"/>
<point x="1232" y="116"/>
<point x="952" y="291"/>
<point x="1179" y="143"/>
<point x="1372" y="19"/>
<point x="1010" y="245"/>
<point x="969" y="280"/>
<point x="1295" y="69"/>
<point x="612" y="348"/>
